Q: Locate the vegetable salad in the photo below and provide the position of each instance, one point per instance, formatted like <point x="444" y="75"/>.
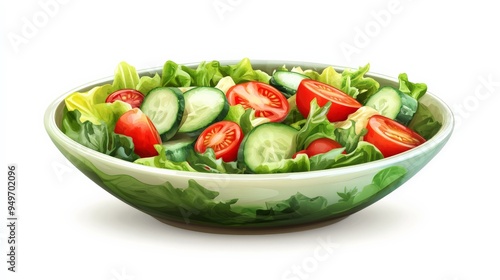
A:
<point x="236" y="119"/>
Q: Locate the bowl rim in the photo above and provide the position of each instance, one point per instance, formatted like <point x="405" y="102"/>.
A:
<point x="57" y="135"/>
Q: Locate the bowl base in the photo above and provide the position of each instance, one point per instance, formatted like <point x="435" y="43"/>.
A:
<point x="250" y="230"/>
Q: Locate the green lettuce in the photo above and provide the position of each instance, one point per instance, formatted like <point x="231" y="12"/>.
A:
<point x="206" y="74"/>
<point x="424" y="123"/>
<point x="415" y="90"/>
<point x="355" y="84"/>
<point x="98" y="137"/>
<point x="174" y="76"/>
<point x="364" y="152"/>
<point x="195" y="162"/>
<point x="352" y="82"/>
<point x="161" y="161"/>
<point x="92" y="107"/>
<point x="298" y="164"/>
<point x="244" y="72"/>
<point x="316" y="126"/>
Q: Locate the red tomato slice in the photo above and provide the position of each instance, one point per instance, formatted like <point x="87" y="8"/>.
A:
<point x="322" y="145"/>
<point x="130" y="96"/>
<point x="391" y="137"/>
<point x="342" y="104"/>
<point x="223" y="137"/>
<point x="135" y="124"/>
<point x="267" y="101"/>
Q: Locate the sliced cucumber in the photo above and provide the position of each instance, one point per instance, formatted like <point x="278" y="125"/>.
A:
<point x="266" y="144"/>
<point x="286" y="82"/>
<point x="204" y="106"/>
<point x="178" y="148"/>
<point x="393" y="104"/>
<point x="165" y="108"/>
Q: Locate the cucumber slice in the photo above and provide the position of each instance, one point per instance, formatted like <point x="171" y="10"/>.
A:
<point x="393" y="104"/>
<point x="165" y="108"/>
<point x="204" y="106"/>
<point x="266" y="144"/>
<point x="178" y="148"/>
<point x="286" y="82"/>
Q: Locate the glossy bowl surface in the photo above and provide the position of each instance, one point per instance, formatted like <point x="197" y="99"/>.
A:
<point x="248" y="201"/>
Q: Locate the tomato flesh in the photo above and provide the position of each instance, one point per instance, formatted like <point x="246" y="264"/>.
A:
<point x="322" y="145"/>
<point x="319" y="146"/>
<point x="267" y="101"/>
<point x="342" y="104"/>
<point x="391" y="137"/>
<point x="130" y="96"/>
<point x="135" y="124"/>
<point x="223" y="137"/>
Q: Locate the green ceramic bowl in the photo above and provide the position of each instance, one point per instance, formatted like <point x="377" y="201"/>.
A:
<point x="248" y="201"/>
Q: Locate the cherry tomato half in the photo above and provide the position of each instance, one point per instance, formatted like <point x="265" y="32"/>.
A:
<point x="223" y="137"/>
<point x="135" y="124"/>
<point x="130" y="96"/>
<point x="319" y="146"/>
<point x="342" y="104"/>
<point x="322" y="145"/>
<point x="267" y="101"/>
<point x="391" y="137"/>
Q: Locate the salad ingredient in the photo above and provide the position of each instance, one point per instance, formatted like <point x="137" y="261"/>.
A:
<point x="424" y="123"/>
<point x="268" y="145"/>
<point x="128" y="95"/>
<point x="93" y="108"/>
<point x="249" y="121"/>
<point x="393" y="104"/>
<point x="358" y="118"/>
<point x="164" y="106"/>
<point x="243" y="72"/>
<point x="341" y="104"/>
<point x="203" y="107"/>
<point x="415" y="90"/>
<point x="98" y="137"/>
<point x="286" y="82"/>
<point x="391" y="137"/>
<point x="300" y="152"/>
<point x="179" y="148"/>
<point x="135" y="124"/>
<point x="223" y="137"/>
<point x="225" y="84"/>
<point x="267" y="101"/>
<point x="321" y="146"/>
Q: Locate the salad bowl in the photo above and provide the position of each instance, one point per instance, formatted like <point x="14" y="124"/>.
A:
<point x="249" y="202"/>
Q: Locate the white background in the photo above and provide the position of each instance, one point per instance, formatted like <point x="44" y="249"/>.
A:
<point x="443" y="224"/>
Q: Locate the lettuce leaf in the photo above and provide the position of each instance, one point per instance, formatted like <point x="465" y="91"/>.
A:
<point x="92" y="109"/>
<point x="98" y="137"/>
<point x="161" y="161"/>
<point x="195" y="162"/>
<point x="352" y="82"/>
<point x="316" y="126"/>
<point x="206" y="162"/>
<point x="364" y="152"/>
<point x="357" y="85"/>
<point x="243" y="72"/>
<point x="423" y="122"/>
<point x="298" y="164"/>
<point x="348" y="138"/>
<point x="415" y="90"/>
<point x="206" y="74"/>
<point x="174" y="76"/>
<point x="126" y="76"/>
<point x="146" y="83"/>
